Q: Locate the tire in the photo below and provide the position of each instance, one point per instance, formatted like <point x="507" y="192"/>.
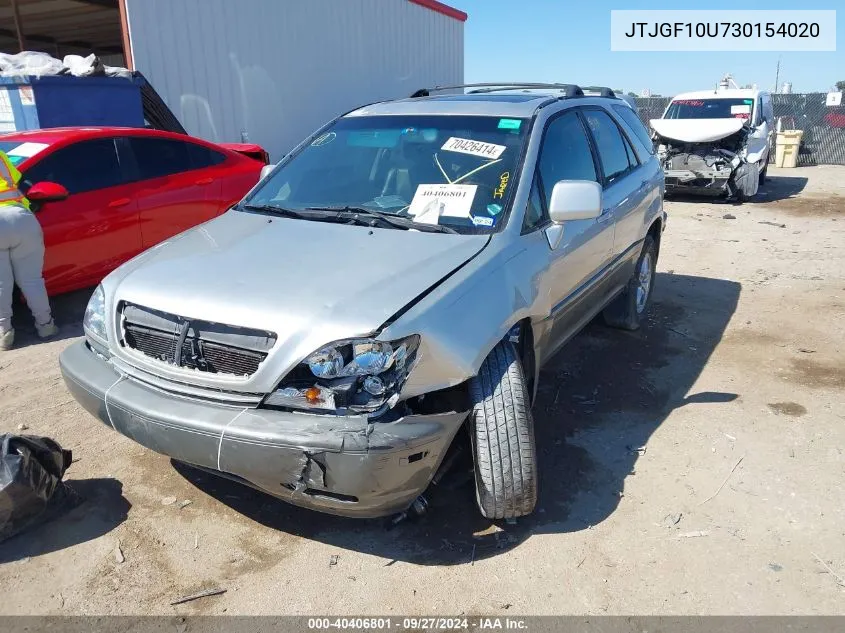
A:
<point x="628" y="309"/>
<point x="503" y="437"/>
<point x="746" y="181"/>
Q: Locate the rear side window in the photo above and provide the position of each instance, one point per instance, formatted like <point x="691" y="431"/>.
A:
<point x="202" y="156"/>
<point x="611" y="146"/>
<point x="159" y="157"/>
<point x="81" y="167"/>
<point x="635" y="127"/>
<point x="566" y="153"/>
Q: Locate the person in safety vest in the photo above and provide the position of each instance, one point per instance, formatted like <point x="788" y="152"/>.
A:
<point x="21" y="257"/>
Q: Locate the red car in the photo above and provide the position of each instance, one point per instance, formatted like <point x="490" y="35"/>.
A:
<point x="103" y="195"/>
<point x="836" y="116"/>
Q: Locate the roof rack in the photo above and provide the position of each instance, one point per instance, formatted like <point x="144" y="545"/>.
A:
<point x="569" y="90"/>
<point x="603" y="92"/>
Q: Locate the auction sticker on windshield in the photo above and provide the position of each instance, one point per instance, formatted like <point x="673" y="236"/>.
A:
<point x="433" y="201"/>
<point x="473" y="148"/>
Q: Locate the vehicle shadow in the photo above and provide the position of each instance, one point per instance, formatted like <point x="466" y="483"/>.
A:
<point x="68" y="311"/>
<point x="590" y="417"/>
<point x="99" y="509"/>
<point x="779" y="188"/>
<point x="775" y="188"/>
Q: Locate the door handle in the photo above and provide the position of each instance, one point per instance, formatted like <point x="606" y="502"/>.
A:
<point x="604" y="217"/>
<point x="120" y="202"/>
<point x="204" y="181"/>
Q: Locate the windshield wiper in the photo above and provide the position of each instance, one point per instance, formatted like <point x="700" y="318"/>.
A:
<point x="317" y="215"/>
<point x="361" y="215"/>
<point x="282" y="211"/>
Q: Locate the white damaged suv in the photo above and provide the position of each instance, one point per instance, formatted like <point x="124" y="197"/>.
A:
<point x="716" y="142"/>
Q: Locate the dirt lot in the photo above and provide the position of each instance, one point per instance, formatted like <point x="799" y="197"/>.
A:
<point x="734" y="394"/>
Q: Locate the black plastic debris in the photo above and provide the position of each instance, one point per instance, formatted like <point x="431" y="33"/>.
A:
<point x="31" y="486"/>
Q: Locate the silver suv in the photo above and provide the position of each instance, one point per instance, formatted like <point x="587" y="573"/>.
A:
<point x="400" y="275"/>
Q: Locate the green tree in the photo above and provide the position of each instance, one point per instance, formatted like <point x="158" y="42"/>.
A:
<point x="632" y="94"/>
<point x="840" y="85"/>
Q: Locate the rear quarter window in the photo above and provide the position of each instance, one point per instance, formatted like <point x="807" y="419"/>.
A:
<point x="202" y="156"/>
<point x="635" y="128"/>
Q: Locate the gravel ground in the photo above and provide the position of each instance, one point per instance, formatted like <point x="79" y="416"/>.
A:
<point x="693" y="467"/>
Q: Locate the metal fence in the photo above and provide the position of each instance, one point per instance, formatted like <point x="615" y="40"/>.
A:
<point x="823" y="142"/>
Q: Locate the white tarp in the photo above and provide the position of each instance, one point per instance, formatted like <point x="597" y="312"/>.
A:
<point x="35" y="64"/>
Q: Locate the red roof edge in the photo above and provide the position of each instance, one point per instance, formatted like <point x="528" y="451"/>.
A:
<point x="445" y="9"/>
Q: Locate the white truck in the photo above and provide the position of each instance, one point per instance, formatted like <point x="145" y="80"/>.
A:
<point x="716" y="142"/>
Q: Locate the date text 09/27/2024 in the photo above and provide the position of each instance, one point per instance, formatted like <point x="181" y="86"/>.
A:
<point x="418" y="623"/>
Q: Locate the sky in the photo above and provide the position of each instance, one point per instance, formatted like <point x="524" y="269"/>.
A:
<point x="568" y="41"/>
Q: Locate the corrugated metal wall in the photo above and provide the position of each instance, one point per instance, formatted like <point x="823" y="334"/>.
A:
<point x="278" y="69"/>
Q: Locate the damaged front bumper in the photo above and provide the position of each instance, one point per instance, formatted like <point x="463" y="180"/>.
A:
<point x="715" y="182"/>
<point x="350" y="466"/>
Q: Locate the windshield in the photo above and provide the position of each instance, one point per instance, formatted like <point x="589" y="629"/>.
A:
<point x="710" y="109"/>
<point x="456" y="171"/>
<point x="19" y="151"/>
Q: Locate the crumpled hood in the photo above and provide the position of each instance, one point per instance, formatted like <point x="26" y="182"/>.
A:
<point x="287" y="275"/>
<point x="696" y="130"/>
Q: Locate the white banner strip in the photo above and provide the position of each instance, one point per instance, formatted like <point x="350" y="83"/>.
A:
<point x="708" y="31"/>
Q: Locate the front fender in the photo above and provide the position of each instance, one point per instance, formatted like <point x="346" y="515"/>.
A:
<point x="461" y="321"/>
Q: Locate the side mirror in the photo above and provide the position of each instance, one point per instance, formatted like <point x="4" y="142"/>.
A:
<point x="575" y="200"/>
<point x="46" y="192"/>
<point x="265" y="171"/>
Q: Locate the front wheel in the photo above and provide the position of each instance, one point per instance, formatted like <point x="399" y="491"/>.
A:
<point x="503" y="437"/>
<point x="746" y="181"/>
<point x="628" y="309"/>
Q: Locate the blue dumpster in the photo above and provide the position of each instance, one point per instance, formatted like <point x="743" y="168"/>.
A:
<point x="28" y="103"/>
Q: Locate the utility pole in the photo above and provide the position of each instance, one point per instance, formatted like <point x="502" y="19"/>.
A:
<point x="777" y="75"/>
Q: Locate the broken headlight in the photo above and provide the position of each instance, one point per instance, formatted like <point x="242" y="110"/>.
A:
<point x="348" y="377"/>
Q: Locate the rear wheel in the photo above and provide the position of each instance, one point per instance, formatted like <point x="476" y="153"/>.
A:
<point x="503" y="437"/>
<point x="628" y="309"/>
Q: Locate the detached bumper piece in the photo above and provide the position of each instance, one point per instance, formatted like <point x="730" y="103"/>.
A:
<point x="349" y="466"/>
<point x="686" y="180"/>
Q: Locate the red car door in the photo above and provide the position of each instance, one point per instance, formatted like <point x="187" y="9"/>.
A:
<point x="227" y="172"/>
<point x="96" y="228"/>
<point x="173" y="194"/>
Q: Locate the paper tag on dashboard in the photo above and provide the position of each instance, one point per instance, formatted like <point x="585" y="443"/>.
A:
<point x="473" y="148"/>
<point x="432" y="201"/>
<point x="741" y="109"/>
